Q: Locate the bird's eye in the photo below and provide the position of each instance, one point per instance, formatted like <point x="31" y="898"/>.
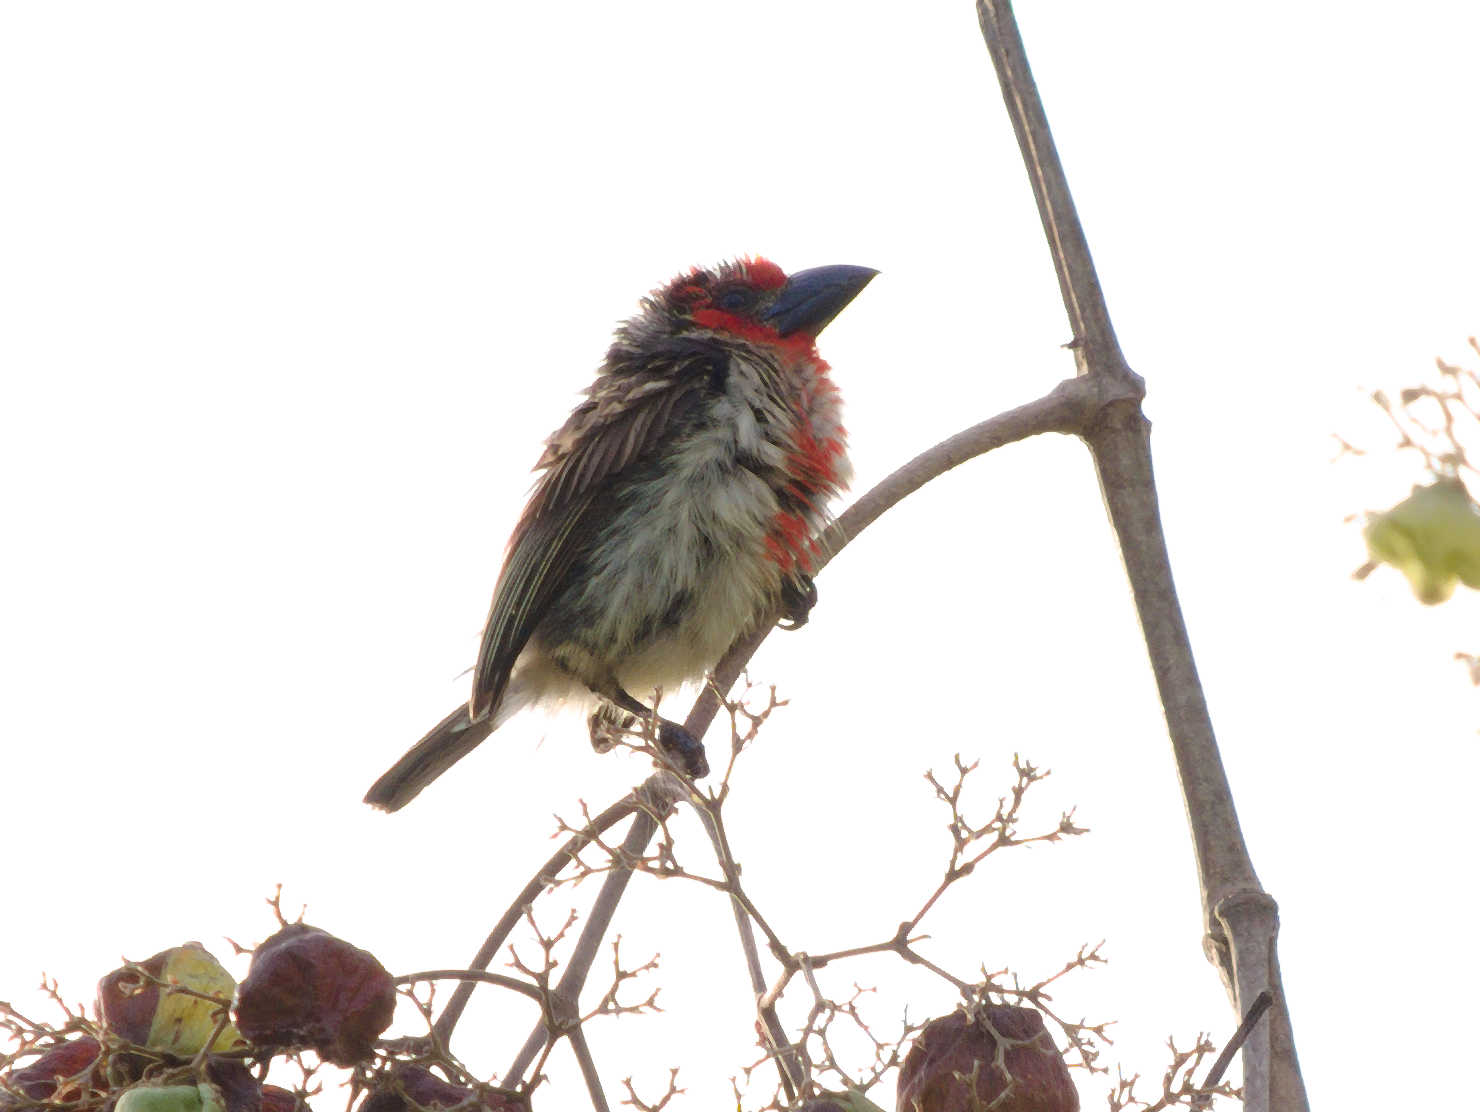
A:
<point x="736" y="299"/>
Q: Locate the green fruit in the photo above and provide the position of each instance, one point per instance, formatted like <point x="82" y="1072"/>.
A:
<point x="168" y="1098"/>
<point x="1432" y="537"/>
<point x="138" y="1009"/>
<point x="183" y="1023"/>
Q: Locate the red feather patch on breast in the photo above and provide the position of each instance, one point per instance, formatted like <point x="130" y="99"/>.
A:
<point x="812" y="477"/>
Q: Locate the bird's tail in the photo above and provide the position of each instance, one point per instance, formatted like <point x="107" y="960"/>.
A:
<point x="448" y="742"/>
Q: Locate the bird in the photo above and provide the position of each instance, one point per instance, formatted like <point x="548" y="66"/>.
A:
<point x="676" y="509"/>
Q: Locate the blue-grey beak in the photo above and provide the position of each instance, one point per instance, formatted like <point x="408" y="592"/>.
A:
<point x="812" y="298"/>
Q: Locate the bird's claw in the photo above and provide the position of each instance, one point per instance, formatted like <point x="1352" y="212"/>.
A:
<point x="798" y="596"/>
<point x="607" y="724"/>
<point x="680" y="748"/>
<point x="683" y="749"/>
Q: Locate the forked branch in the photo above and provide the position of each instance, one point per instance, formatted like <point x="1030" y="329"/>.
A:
<point x="1101" y="405"/>
<point x="1240" y="919"/>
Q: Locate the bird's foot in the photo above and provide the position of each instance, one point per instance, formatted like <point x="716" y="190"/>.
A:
<point x="798" y="596"/>
<point x="682" y="749"/>
<point x="607" y="724"/>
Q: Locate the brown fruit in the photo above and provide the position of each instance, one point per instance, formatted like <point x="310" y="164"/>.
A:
<point x="127" y="998"/>
<point x="306" y="988"/>
<point x="951" y="1065"/>
<point x="277" y="1099"/>
<point x="233" y="1085"/>
<point x="426" y="1090"/>
<point x="851" y="1101"/>
<point x="50" y="1077"/>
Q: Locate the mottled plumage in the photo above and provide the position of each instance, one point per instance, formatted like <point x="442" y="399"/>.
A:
<point x="672" y="508"/>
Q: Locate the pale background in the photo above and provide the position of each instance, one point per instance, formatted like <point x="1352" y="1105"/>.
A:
<point x="290" y="294"/>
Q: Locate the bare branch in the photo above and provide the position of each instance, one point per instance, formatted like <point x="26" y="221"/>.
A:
<point x="515" y="911"/>
<point x="1120" y="444"/>
<point x="661" y="792"/>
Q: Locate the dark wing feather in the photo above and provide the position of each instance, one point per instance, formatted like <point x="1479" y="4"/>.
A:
<point x="623" y="422"/>
<point x="448" y="742"/>
<point x="542" y="552"/>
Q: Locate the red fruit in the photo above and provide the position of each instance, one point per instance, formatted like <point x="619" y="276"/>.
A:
<point x="955" y="1055"/>
<point x="138" y="1009"/>
<point x="238" y="1089"/>
<point x="277" y="1099"/>
<point x="426" y="1090"/>
<point x="44" y="1078"/>
<point x="306" y="988"/>
<point x="127" y="999"/>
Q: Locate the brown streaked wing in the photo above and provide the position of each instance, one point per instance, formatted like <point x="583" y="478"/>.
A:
<point x="601" y="439"/>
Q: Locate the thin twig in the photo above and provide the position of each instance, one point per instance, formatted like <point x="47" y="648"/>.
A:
<point x="541" y="880"/>
<point x="1258" y="1008"/>
<point x="478" y="976"/>
<point x="566" y="994"/>
<point x="582" y="1051"/>
<point x="789" y="1066"/>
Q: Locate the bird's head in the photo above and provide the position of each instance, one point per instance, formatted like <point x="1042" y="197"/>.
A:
<point x="755" y="301"/>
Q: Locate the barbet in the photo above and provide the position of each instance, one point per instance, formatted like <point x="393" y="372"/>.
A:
<point x="675" y="510"/>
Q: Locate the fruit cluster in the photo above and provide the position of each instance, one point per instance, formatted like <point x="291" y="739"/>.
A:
<point x="175" y="1033"/>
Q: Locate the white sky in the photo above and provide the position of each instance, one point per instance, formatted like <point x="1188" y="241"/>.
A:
<point x="291" y="293"/>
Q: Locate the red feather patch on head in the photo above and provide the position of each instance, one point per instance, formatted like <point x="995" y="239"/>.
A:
<point x="692" y="294"/>
<point x="693" y="288"/>
<point x="763" y="273"/>
<point x="799" y="344"/>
